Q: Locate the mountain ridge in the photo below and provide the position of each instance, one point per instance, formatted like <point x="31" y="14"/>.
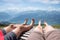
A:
<point x="50" y="17"/>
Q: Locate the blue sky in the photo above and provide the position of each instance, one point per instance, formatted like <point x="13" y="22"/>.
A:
<point x="25" y="5"/>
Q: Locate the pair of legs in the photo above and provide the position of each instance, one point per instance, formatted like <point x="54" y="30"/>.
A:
<point x="48" y="33"/>
<point x="13" y="31"/>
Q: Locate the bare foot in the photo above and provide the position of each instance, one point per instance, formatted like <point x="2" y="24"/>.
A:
<point x="48" y="28"/>
<point x="25" y="22"/>
<point x="28" y="27"/>
<point x="39" y="27"/>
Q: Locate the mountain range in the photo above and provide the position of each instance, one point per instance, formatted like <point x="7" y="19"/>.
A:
<point x="52" y="17"/>
<point x="4" y="16"/>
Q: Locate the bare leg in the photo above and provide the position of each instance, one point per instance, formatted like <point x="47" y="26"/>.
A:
<point x="13" y="26"/>
<point x="23" y="28"/>
<point x="9" y="28"/>
<point x="37" y="33"/>
<point x="14" y="34"/>
<point x="48" y="28"/>
<point x="51" y="33"/>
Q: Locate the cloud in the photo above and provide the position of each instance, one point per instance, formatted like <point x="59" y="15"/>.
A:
<point x="46" y="1"/>
<point x="21" y="5"/>
<point x="41" y="1"/>
<point x="19" y="8"/>
<point x="29" y="8"/>
<point x="50" y="8"/>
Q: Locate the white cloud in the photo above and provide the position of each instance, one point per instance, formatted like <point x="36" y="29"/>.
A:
<point x="30" y="8"/>
<point x="13" y="6"/>
<point x="41" y="1"/>
<point x="50" y="8"/>
<point x="46" y="1"/>
<point x="20" y="9"/>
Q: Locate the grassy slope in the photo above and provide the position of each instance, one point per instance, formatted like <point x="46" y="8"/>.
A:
<point x="55" y="26"/>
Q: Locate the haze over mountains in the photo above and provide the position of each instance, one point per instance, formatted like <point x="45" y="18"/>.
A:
<point x="4" y="16"/>
<point x="52" y="17"/>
